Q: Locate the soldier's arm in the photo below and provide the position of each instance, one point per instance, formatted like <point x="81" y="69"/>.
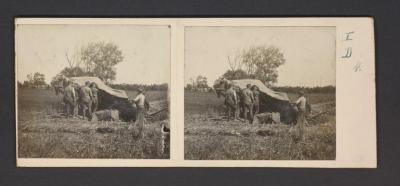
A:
<point x="73" y="94"/>
<point x="90" y="93"/>
<point x="136" y="99"/>
<point x="235" y="97"/>
<point x="251" y="96"/>
<point x="146" y="104"/>
<point x="297" y="101"/>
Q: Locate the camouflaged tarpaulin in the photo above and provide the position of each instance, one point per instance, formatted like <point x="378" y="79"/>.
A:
<point x="110" y="98"/>
<point x="100" y="85"/>
<point x="270" y="100"/>
<point x="242" y="83"/>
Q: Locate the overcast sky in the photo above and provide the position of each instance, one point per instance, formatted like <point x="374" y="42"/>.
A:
<point x="309" y="52"/>
<point x="146" y="49"/>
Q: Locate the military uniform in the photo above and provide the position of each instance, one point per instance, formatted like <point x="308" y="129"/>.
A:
<point x="86" y="100"/>
<point x="248" y="99"/>
<point x="231" y="102"/>
<point x="140" y="101"/>
<point x="95" y="100"/>
<point x="301" y="105"/>
<point x="69" y="100"/>
<point x="256" y="104"/>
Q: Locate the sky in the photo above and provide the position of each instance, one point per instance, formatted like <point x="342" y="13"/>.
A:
<point x="309" y="52"/>
<point x="146" y="50"/>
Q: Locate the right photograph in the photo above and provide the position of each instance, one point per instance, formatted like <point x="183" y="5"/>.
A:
<point x="260" y="93"/>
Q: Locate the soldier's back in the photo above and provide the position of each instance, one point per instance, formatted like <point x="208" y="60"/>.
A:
<point x="247" y="94"/>
<point x="69" y="92"/>
<point x="85" y="93"/>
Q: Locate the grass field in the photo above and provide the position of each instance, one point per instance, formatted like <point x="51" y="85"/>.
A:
<point x="44" y="133"/>
<point x="209" y="136"/>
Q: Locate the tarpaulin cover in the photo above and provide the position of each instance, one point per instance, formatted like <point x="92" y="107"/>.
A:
<point x="271" y="101"/>
<point x="277" y="95"/>
<point x="114" y="92"/>
<point x="109" y="98"/>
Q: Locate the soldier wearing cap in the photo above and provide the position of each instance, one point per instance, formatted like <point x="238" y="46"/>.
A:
<point x="142" y="106"/>
<point x="231" y="102"/>
<point x="69" y="99"/>
<point x="256" y="95"/>
<point x="86" y="98"/>
<point x="301" y="104"/>
<point x="95" y="101"/>
<point x="248" y="100"/>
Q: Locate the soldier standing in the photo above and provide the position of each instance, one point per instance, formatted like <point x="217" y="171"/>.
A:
<point x="86" y="100"/>
<point x="301" y="105"/>
<point x="140" y="101"/>
<point x="95" y="101"/>
<point x="248" y="100"/>
<point x="301" y="116"/>
<point x="231" y="102"/>
<point x="69" y="99"/>
<point x="256" y="95"/>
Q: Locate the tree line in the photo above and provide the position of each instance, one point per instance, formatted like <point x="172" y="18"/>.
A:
<point x="35" y="80"/>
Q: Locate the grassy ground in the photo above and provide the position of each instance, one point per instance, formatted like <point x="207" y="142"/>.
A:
<point x="209" y="136"/>
<point x="44" y="133"/>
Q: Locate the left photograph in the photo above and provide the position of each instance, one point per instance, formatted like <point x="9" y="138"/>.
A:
<point x="93" y="91"/>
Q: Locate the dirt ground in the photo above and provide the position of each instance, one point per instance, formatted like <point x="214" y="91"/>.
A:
<point x="208" y="135"/>
<point x="44" y="133"/>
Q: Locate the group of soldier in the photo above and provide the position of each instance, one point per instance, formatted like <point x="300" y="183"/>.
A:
<point x="85" y="98"/>
<point x="247" y="102"/>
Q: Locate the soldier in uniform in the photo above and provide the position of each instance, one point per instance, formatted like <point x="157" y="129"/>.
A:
<point x="69" y="99"/>
<point x="301" y="104"/>
<point x="140" y="101"/>
<point x="248" y="100"/>
<point x="256" y="95"/>
<point x="231" y="102"/>
<point x="86" y="97"/>
<point x="95" y="100"/>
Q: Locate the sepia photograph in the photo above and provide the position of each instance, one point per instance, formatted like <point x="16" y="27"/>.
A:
<point x="260" y="93"/>
<point x="239" y="92"/>
<point x="98" y="91"/>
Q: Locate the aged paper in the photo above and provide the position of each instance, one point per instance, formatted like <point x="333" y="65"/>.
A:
<point x="222" y="92"/>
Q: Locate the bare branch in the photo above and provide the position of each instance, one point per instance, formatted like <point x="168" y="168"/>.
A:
<point x="71" y="65"/>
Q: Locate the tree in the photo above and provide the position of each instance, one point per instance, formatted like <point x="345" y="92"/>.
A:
<point x="235" y="68"/>
<point x="100" y="58"/>
<point x="201" y="82"/>
<point x="74" y="72"/>
<point x="262" y="62"/>
<point x="188" y="86"/>
<point x="35" y="80"/>
<point x="237" y="74"/>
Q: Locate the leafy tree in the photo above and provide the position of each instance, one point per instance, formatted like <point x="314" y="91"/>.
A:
<point x="235" y="74"/>
<point x="35" y="80"/>
<point x="201" y="82"/>
<point x="100" y="58"/>
<point x="262" y="62"/>
<point x="74" y="72"/>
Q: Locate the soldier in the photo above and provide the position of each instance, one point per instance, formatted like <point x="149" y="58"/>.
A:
<point x="248" y="100"/>
<point x="256" y="95"/>
<point x="301" y="105"/>
<point x="95" y="101"/>
<point x="140" y="101"/>
<point x="86" y="97"/>
<point x="69" y="99"/>
<point x="231" y="102"/>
